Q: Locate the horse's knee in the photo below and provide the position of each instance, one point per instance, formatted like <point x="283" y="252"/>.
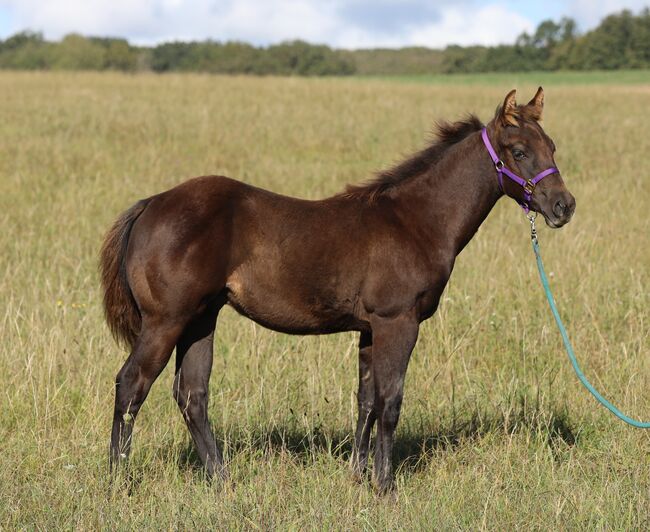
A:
<point x="129" y="394"/>
<point x="132" y="384"/>
<point x="191" y="401"/>
<point x="390" y="412"/>
<point x="123" y="378"/>
<point x="366" y="405"/>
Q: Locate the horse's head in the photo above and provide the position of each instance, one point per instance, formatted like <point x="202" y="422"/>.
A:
<point x="527" y="150"/>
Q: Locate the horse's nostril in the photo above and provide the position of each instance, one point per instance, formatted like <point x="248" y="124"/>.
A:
<point x="559" y="208"/>
<point x="572" y="204"/>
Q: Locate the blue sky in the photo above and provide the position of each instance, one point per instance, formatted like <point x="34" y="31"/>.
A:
<point x="340" y="23"/>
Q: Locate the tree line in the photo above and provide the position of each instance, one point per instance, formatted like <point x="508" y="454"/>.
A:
<point x="621" y="40"/>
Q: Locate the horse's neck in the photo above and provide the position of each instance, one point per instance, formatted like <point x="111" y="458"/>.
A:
<point x="452" y="199"/>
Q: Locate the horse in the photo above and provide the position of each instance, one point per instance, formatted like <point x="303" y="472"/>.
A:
<point x="373" y="259"/>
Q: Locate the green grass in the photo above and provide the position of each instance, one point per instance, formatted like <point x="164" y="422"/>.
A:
<point x="495" y="432"/>
<point x="502" y="79"/>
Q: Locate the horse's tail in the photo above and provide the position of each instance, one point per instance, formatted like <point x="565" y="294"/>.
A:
<point x="121" y="311"/>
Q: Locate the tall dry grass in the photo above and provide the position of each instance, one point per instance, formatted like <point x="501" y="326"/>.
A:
<point x="495" y="432"/>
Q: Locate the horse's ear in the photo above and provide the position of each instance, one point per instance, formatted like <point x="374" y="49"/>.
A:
<point x="508" y="114"/>
<point x="536" y="105"/>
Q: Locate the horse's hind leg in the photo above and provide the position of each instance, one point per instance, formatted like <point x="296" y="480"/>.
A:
<point x="193" y="366"/>
<point x="366" y="404"/>
<point x="150" y="355"/>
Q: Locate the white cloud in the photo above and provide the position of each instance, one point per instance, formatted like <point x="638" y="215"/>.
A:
<point x="589" y="13"/>
<point x="341" y="23"/>
<point x="489" y="25"/>
<point x="57" y="17"/>
<point x="148" y="21"/>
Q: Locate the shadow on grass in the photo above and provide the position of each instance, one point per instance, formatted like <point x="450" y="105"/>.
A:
<point x="413" y="452"/>
<point x="414" y="447"/>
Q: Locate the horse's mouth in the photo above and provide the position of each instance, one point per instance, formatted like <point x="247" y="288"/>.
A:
<point x="556" y="222"/>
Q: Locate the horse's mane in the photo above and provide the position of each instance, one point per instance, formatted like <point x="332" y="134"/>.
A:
<point x="446" y="134"/>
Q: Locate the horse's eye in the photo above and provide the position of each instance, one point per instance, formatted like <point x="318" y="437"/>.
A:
<point x="518" y="154"/>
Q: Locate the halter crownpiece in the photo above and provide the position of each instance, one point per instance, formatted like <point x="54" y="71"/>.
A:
<point x="527" y="184"/>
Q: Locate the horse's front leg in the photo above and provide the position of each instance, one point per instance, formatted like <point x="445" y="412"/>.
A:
<point x="366" y="404"/>
<point x="393" y="340"/>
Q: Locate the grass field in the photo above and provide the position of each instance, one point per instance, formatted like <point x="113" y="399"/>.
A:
<point x="503" y="79"/>
<point x="495" y="432"/>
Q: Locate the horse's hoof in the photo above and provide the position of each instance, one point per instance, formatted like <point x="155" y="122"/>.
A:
<point x="385" y="487"/>
<point x="357" y="476"/>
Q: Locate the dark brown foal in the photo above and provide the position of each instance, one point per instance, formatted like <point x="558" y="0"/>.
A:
<point x="374" y="259"/>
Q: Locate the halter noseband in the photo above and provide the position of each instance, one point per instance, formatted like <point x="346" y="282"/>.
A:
<point x="527" y="184"/>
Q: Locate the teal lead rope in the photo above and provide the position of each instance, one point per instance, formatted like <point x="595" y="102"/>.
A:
<point x="565" y="336"/>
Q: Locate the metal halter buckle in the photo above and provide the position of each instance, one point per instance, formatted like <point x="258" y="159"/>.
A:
<point x="499" y="165"/>
<point x="529" y="187"/>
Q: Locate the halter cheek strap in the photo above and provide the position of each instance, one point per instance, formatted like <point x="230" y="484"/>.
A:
<point x="527" y="184"/>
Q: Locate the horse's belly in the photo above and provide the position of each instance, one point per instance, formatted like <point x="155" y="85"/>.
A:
<point x="281" y="307"/>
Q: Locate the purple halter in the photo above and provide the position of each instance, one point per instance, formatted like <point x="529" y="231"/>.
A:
<point x="500" y="166"/>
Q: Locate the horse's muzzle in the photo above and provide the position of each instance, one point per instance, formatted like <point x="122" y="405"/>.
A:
<point x="562" y="207"/>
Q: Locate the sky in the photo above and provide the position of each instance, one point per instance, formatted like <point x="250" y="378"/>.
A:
<point x="338" y="23"/>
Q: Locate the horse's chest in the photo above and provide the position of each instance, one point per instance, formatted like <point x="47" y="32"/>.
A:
<point x="427" y="303"/>
<point x="406" y="285"/>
